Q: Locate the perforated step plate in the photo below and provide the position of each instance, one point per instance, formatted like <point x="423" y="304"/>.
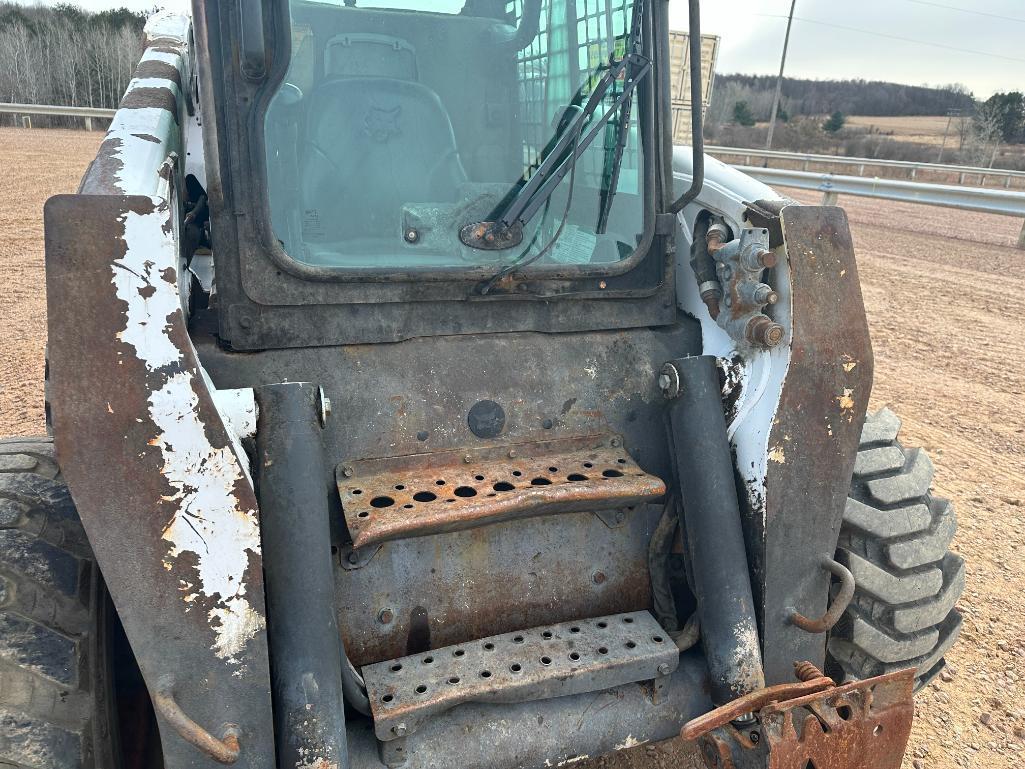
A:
<point x="421" y="494"/>
<point x="549" y="661"/>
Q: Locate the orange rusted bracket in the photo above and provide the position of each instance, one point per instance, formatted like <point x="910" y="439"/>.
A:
<point x="860" y="725"/>
<point x="225" y="750"/>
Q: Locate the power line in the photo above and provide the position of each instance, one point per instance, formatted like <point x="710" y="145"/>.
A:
<point x="968" y="10"/>
<point x="893" y="37"/>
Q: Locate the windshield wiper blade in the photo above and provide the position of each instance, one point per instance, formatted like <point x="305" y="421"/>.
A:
<point x="504" y="229"/>
<point x="614" y="156"/>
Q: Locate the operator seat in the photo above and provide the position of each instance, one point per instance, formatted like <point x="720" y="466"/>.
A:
<point x="374" y="144"/>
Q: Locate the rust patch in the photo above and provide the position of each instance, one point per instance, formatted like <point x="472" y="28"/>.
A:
<point x="423" y="494"/>
<point x="161" y="98"/>
<point x="151" y="68"/>
<point x="862" y="725"/>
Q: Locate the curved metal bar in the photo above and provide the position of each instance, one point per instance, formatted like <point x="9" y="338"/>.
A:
<point x="751" y="702"/>
<point x="225" y="750"/>
<point x="841" y="602"/>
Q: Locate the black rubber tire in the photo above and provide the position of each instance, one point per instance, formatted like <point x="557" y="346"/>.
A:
<point x="55" y="622"/>
<point x="895" y="539"/>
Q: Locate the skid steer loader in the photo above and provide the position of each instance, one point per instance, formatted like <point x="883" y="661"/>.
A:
<point x="415" y="404"/>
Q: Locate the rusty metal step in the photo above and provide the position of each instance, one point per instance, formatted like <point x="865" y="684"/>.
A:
<point x="421" y="494"/>
<point x="543" y="662"/>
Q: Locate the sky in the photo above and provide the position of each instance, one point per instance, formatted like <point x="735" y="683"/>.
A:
<point x="977" y="43"/>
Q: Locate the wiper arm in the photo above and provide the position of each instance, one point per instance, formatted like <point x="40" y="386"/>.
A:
<point x="614" y="155"/>
<point x="504" y="229"/>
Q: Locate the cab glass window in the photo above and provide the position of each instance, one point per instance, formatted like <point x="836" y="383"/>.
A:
<point x="401" y="124"/>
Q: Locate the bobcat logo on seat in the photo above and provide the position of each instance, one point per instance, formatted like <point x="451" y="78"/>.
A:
<point x="382" y="124"/>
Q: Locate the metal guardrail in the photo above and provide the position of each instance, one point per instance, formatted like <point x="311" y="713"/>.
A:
<point x="806" y="159"/>
<point x="87" y="113"/>
<point x="990" y="201"/>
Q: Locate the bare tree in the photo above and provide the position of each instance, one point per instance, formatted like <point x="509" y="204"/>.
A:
<point x="64" y="55"/>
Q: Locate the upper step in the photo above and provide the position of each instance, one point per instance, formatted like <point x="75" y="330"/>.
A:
<point x="421" y="494"/>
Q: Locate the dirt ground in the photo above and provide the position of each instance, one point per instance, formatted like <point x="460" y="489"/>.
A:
<point x="945" y="292"/>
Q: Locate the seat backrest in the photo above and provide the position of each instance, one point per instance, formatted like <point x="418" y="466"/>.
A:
<point x="372" y="145"/>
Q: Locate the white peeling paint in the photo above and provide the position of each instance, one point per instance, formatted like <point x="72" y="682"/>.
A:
<point x="629" y="742"/>
<point x="153" y="82"/>
<point x="208" y="522"/>
<point x="238" y="410"/>
<point x="167" y="58"/>
<point x="138" y="283"/>
<point x="168" y="23"/>
<point x="748" y="658"/>
<point x="573" y="760"/>
<point x="140" y="158"/>
<point x="239" y="413"/>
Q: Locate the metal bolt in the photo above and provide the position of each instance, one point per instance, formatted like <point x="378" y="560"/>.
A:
<point x="754" y="736"/>
<point x="467" y="458"/>
<point x="512" y="453"/>
<point x="598" y="577"/>
<point x="761" y="330"/>
<point x="347" y="471"/>
<point x="412" y="236"/>
<point x="353" y="557"/>
<point x="620" y="516"/>
<point x="245" y="322"/>
<point x="614" y="442"/>
<point x="669" y="381"/>
<point x="764" y="294"/>
<point x="767" y="259"/>
<point x="547" y="424"/>
<point x="399" y="730"/>
<point x="325" y="406"/>
<point x="664" y="669"/>
<point x="385" y="617"/>
<point x="602" y="284"/>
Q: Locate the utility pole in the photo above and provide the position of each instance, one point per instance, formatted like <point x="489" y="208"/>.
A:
<point x="951" y="114"/>
<point x="779" y="80"/>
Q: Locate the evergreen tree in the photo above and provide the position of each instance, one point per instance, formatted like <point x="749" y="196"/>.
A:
<point x="834" y="123"/>
<point x="742" y="114"/>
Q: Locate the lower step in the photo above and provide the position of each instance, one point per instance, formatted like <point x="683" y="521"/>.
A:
<point x="548" y="661"/>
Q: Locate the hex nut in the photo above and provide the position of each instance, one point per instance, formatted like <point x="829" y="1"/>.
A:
<point x="669" y="381"/>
